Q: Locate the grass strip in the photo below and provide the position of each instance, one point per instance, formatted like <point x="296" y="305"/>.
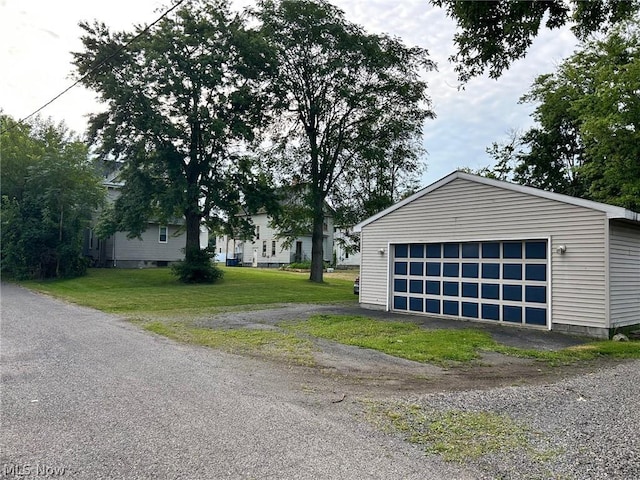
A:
<point x="444" y="347"/>
<point x="400" y="339"/>
<point x="275" y="345"/>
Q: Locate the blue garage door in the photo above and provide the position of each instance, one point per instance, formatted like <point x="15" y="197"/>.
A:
<point x="499" y="281"/>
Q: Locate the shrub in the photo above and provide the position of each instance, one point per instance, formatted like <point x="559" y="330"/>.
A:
<point x="197" y="267"/>
<point x="300" y="265"/>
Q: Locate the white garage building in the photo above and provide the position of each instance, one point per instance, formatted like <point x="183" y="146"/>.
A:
<point x="475" y="248"/>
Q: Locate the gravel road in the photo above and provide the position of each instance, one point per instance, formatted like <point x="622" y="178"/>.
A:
<point x="587" y="427"/>
<point x="90" y="394"/>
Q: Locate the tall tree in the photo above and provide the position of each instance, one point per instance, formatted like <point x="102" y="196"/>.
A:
<point x="492" y="34"/>
<point x="181" y="99"/>
<point x="343" y="97"/>
<point x="587" y="139"/>
<point x="49" y="191"/>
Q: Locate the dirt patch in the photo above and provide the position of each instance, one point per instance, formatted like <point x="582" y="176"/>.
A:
<point x="342" y="369"/>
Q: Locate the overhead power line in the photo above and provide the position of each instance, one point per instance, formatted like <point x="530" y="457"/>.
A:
<point x="95" y="68"/>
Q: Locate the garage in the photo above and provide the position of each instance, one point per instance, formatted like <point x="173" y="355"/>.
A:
<point x="474" y="248"/>
<point x="498" y="281"/>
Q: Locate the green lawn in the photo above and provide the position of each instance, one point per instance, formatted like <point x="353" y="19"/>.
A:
<point x="161" y="304"/>
<point x="130" y="292"/>
<point x="408" y="340"/>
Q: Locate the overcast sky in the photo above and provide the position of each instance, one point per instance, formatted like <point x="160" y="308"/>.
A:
<point x="37" y="36"/>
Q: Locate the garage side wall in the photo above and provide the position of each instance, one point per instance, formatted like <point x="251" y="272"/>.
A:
<point x="465" y="211"/>
<point x="624" y="264"/>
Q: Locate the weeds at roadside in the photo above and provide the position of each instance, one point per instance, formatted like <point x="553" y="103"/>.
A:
<point x="456" y="435"/>
<point x="270" y="344"/>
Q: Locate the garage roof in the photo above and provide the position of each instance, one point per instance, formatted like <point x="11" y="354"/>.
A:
<point x="610" y="210"/>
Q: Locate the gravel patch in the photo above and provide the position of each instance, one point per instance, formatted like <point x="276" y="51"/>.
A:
<point x="586" y="427"/>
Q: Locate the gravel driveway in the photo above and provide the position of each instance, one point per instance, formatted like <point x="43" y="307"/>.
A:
<point x="91" y="394"/>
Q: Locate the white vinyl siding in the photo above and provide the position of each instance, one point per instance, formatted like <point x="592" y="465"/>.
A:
<point x="624" y="265"/>
<point x="282" y="256"/>
<point x="467" y="211"/>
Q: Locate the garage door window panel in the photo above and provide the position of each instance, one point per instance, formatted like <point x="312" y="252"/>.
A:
<point x="536" y="250"/>
<point x="415" y="286"/>
<point x="512" y="314"/>
<point x="536" y="272"/>
<point x="470" y="309"/>
<point x="450" y="289"/>
<point x="417" y="251"/>
<point x="512" y="250"/>
<point x="416" y="268"/>
<point x="512" y="271"/>
<point x="451" y="250"/>
<point x="512" y="293"/>
<point x="400" y="285"/>
<point x="433" y="306"/>
<point x="535" y="294"/>
<point x="400" y="303"/>
<point x="415" y="304"/>
<point x="491" y="270"/>
<point x="491" y="250"/>
<point x="470" y="250"/>
<point x="536" y="316"/>
<point x="449" y="307"/>
<point x="433" y="287"/>
<point x="470" y="270"/>
<point x="469" y="290"/>
<point x="433" y="269"/>
<point x="491" y="291"/>
<point x="402" y="251"/>
<point x="490" y="312"/>
<point x="400" y="268"/>
<point x="450" y="269"/>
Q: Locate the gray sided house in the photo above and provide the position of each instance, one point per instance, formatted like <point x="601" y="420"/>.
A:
<point x="159" y="245"/>
<point x="473" y="248"/>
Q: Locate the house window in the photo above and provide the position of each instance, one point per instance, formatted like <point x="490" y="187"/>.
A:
<point x="325" y="227"/>
<point x="162" y="234"/>
<point x="90" y="238"/>
<point x="257" y="232"/>
<point x="264" y="248"/>
<point x="273" y="248"/>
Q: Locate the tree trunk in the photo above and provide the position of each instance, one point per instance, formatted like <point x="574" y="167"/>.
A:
<point x="193" y="235"/>
<point x="317" y="261"/>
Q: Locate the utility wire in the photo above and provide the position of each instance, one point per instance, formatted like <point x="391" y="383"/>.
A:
<point x="93" y="69"/>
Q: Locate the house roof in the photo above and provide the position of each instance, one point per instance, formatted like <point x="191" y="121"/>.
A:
<point x="610" y="210"/>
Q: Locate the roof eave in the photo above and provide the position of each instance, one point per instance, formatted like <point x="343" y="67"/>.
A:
<point x="611" y="211"/>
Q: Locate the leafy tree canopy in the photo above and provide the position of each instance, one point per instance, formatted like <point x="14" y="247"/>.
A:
<point x="181" y="101"/>
<point x="347" y="104"/>
<point x="492" y="34"/>
<point x="49" y="191"/>
<point x="587" y="139"/>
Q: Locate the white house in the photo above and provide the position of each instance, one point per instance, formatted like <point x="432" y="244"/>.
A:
<point x="268" y="250"/>
<point x="474" y="248"/>
<point x="159" y="245"/>
<point x="344" y="258"/>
